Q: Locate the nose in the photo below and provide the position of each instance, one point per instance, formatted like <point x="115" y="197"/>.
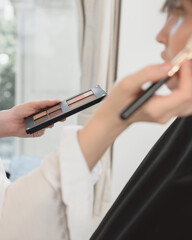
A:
<point x="161" y="36"/>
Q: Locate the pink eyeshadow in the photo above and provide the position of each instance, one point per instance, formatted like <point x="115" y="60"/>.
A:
<point x="54" y="108"/>
<point x="75" y="99"/>
<point x="84" y="100"/>
<point x="39" y="115"/>
<point x="40" y="120"/>
<point x="54" y="114"/>
<point x="88" y="93"/>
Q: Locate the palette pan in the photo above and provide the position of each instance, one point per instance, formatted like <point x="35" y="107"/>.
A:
<point x="64" y="109"/>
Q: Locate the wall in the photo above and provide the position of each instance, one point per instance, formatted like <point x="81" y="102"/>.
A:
<point x="41" y="40"/>
<point x="47" y="62"/>
<point x="140" y="22"/>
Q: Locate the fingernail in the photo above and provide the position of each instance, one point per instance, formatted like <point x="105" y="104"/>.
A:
<point x="166" y="66"/>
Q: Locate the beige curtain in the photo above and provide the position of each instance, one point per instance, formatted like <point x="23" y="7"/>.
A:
<point x="99" y="22"/>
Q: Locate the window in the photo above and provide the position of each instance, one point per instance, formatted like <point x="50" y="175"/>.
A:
<point x="7" y="70"/>
<point x="38" y="60"/>
<point x="47" y="61"/>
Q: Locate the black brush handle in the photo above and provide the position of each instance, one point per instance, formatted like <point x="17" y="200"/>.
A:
<point x="130" y="109"/>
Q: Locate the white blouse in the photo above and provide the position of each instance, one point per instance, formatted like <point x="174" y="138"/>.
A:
<point x="54" y="201"/>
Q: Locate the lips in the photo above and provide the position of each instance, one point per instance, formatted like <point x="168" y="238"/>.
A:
<point x="163" y="56"/>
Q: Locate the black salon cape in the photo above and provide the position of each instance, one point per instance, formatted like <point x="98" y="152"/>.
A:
<point x="156" y="203"/>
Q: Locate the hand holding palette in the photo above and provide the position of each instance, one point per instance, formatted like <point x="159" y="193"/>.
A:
<point x="64" y="109"/>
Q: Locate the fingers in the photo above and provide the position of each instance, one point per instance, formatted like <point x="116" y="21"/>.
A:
<point x="45" y="103"/>
<point x="185" y="78"/>
<point x="39" y="133"/>
<point x="63" y="120"/>
<point x="183" y="94"/>
<point x="51" y="126"/>
<point x="29" y="108"/>
<point x="178" y="103"/>
<point x="148" y="74"/>
<point x="161" y="109"/>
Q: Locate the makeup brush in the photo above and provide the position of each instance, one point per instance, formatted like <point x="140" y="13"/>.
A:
<point x="177" y="61"/>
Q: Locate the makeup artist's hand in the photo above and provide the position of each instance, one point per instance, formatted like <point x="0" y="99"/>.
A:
<point x="178" y="103"/>
<point x="105" y="125"/>
<point x="12" y="120"/>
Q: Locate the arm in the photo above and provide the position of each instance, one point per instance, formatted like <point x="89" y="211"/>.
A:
<point x="12" y="120"/>
<point x="32" y="206"/>
<point x="105" y="125"/>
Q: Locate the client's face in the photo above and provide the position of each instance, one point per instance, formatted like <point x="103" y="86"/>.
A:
<point x="176" y="32"/>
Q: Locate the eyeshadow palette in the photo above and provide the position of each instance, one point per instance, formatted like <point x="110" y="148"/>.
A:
<point x="64" y="109"/>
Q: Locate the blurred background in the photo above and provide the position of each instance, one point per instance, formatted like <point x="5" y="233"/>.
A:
<point x="7" y="71"/>
<point x="40" y="59"/>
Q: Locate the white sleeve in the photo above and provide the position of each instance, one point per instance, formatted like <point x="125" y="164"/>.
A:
<point x="77" y="185"/>
<point x="53" y="202"/>
<point x="32" y="206"/>
<point x="4" y="183"/>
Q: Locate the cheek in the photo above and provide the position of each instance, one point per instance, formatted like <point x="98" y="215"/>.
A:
<point x="176" y="44"/>
<point x="179" y="35"/>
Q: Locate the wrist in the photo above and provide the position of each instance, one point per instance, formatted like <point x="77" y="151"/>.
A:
<point x="99" y="134"/>
<point x="5" y="122"/>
